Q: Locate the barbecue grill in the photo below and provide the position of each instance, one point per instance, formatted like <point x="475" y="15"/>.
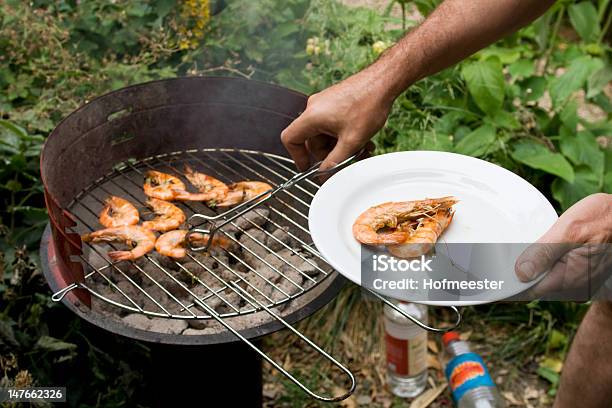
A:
<point x="270" y="278"/>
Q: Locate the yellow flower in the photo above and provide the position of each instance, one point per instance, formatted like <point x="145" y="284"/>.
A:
<point x="184" y="44"/>
<point x="379" y="46"/>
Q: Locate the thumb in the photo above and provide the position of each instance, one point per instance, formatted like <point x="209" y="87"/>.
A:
<point x="342" y="151"/>
<point x="541" y="256"/>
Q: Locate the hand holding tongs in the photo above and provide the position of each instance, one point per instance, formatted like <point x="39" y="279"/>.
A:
<point x="246" y="206"/>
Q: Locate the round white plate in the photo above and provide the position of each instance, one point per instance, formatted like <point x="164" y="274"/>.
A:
<point x="496" y="206"/>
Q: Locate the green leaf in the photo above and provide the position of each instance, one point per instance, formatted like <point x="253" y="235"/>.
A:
<point x="534" y="88"/>
<point x="569" y="115"/>
<point x="522" y="68"/>
<point x="607" y="183"/>
<point x="539" y="157"/>
<point x="582" y="148"/>
<point x="504" y="120"/>
<point x="583" y="17"/>
<point x="505" y="55"/>
<point x="478" y="142"/>
<point x="53" y="344"/>
<point x="599" y="80"/>
<point x="574" y="78"/>
<point x="436" y="141"/>
<point x="548" y="374"/>
<point x="448" y="122"/>
<point x="585" y="183"/>
<point x="486" y="84"/>
<point x="556" y="340"/>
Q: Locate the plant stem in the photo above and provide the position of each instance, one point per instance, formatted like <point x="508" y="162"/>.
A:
<point x="606" y="25"/>
<point x="553" y="37"/>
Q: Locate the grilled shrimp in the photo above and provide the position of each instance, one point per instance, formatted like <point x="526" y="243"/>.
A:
<point x="243" y="191"/>
<point x="142" y="239"/>
<point x="423" y="234"/>
<point x="210" y="189"/>
<point x="118" y="212"/>
<point x="168" y="216"/>
<point x="388" y="216"/>
<point x="173" y="243"/>
<point x="162" y="186"/>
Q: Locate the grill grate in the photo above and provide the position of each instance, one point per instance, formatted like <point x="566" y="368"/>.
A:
<point x="278" y="268"/>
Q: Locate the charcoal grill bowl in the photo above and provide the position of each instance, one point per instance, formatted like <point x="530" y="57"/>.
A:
<point x="149" y="119"/>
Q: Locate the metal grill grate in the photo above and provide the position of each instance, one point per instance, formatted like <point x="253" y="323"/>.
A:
<point x="279" y="265"/>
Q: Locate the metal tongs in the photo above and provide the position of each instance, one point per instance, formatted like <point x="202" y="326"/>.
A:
<point x="216" y="222"/>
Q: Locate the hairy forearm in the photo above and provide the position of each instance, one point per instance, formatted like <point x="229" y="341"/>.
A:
<point x="455" y="30"/>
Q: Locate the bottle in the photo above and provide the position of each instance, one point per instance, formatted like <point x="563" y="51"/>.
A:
<point x="406" y="345"/>
<point x="467" y="375"/>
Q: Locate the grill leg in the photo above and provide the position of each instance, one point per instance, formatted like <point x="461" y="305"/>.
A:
<point x="214" y="375"/>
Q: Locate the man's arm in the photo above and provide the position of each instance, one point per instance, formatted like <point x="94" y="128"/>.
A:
<point x="353" y="110"/>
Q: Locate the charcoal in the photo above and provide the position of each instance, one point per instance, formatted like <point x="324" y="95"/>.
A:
<point x="256" y="319"/>
<point x="204" y="259"/>
<point x="266" y="272"/>
<point x="293" y="274"/>
<point x="130" y="290"/>
<point x="309" y="268"/>
<point x="138" y="321"/>
<point x="198" y="332"/>
<point x="221" y="259"/>
<point x="105" y="308"/>
<point x="160" y="297"/>
<point x="257" y="283"/>
<point x="164" y="261"/>
<point x="195" y="269"/>
<point x="230" y="297"/>
<point x="287" y="287"/>
<point x="168" y="326"/>
<point x="197" y="323"/>
<point x="254" y="217"/>
<point x="166" y="281"/>
<point x="256" y="249"/>
<point x="279" y="234"/>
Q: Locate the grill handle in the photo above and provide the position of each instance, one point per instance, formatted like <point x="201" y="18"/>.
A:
<point x="241" y="209"/>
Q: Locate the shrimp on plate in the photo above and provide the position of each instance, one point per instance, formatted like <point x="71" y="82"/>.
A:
<point x="141" y="239"/>
<point x="168" y="216"/>
<point x="422" y="234"/>
<point x="378" y="225"/>
<point x="118" y="212"/>
<point x="174" y="243"/>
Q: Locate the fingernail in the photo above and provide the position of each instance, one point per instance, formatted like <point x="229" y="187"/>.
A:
<point x="527" y="269"/>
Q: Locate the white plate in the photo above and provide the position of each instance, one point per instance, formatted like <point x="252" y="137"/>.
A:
<point x="496" y="206"/>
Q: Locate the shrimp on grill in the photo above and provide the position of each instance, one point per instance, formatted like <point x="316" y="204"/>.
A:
<point x="243" y="191"/>
<point x="142" y="240"/>
<point x="173" y="243"/>
<point x="168" y="216"/>
<point x="422" y="234"/>
<point x="162" y="186"/>
<point x="378" y="225"/>
<point x="117" y="212"/>
<point x="210" y="189"/>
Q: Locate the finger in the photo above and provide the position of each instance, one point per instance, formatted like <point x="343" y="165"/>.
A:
<point x="342" y="151"/>
<point x="542" y="255"/>
<point x="294" y="138"/>
<point x="320" y="146"/>
<point x="549" y="284"/>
